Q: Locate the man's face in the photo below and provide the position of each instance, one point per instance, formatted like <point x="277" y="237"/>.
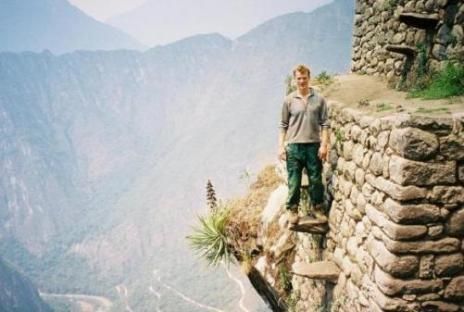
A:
<point x="302" y="81"/>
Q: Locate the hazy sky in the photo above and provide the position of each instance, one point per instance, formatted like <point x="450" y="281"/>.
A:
<point x="104" y="9"/>
<point x="155" y="22"/>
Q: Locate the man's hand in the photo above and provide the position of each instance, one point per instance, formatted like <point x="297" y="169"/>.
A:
<point x="323" y="152"/>
<point x="282" y="153"/>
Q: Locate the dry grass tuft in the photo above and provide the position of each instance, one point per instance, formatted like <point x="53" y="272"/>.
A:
<point x="250" y="207"/>
<point x="245" y="213"/>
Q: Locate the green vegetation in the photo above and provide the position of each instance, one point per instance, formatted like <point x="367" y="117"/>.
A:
<point x="210" y="239"/>
<point x="324" y="79"/>
<point x="292" y="300"/>
<point x="339" y="135"/>
<point x="444" y="84"/>
<point x="285" y="278"/>
<point x="421" y="61"/>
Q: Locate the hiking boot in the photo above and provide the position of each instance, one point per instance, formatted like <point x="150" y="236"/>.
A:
<point x="293" y="217"/>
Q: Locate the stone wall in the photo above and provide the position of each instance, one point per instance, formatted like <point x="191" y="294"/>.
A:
<point x="400" y="38"/>
<point x="397" y="218"/>
<point x="396" y="221"/>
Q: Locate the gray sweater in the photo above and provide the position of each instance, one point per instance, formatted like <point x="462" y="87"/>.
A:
<point x="304" y="122"/>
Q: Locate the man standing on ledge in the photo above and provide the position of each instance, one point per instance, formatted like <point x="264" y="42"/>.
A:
<point x="305" y="126"/>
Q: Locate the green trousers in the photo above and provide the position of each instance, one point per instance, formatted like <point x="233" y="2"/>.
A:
<point x="299" y="156"/>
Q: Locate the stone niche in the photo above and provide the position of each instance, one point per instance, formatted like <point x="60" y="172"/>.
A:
<point x="399" y="39"/>
<point x="397" y="218"/>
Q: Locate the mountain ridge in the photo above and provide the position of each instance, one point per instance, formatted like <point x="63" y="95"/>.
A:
<point x="137" y="135"/>
<point x="205" y="16"/>
<point x="58" y="26"/>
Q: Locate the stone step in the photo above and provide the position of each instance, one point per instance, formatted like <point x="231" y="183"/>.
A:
<point x="322" y="270"/>
<point x="401" y="49"/>
<point x="422" y="21"/>
<point x="311" y="225"/>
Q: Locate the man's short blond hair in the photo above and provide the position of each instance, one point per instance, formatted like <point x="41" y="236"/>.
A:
<point x="303" y="69"/>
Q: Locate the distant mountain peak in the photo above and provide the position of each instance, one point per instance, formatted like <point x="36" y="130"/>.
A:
<point x="55" y="25"/>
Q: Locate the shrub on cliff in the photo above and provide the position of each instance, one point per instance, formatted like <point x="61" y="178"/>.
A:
<point x="209" y="240"/>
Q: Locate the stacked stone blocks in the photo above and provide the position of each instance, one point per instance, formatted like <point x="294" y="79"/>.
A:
<point x="397" y="219"/>
<point x="377" y="25"/>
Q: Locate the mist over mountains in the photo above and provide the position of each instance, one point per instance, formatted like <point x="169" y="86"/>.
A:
<point x="57" y="26"/>
<point x="163" y="21"/>
<point x="105" y="155"/>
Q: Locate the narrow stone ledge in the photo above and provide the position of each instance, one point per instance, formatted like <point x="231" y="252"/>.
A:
<point x="396" y="191"/>
<point x="401" y="49"/>
<point x="398" y="266"/>
<point x="393" y="230"/>
<point x="392" y="286"/>
<point x="409" y="172"/>
<point x="322" y="270"/>
<point x="422" y="21"/>
<point x="412" y="214"/>
<point x="311" y="225"/>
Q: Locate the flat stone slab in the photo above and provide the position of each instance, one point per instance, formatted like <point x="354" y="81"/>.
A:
<point x="322" y="270"/>
<point x="422" y="21"/>
<point x="311" y="225"/>
<point x="401" y="49"/>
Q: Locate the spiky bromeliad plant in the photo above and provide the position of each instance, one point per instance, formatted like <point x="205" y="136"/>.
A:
<point x="210" y="240"/>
